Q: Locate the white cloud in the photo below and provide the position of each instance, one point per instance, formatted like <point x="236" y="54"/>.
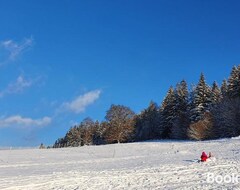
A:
<point x="14" y="49"/>
<point x="79" y="104"/>
<point x="19" y="121"/>
<point x="16" y="87"/>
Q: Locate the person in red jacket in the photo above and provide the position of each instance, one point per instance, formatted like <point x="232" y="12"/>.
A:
<point x="204" y="157"/>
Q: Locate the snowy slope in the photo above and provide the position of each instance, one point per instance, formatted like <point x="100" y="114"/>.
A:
<point x="147" y="165"/>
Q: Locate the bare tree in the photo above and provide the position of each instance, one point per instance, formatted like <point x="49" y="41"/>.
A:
<point x="87" y="126"/>
<point x="202" y="129"/>
<point x="120" y="124"/>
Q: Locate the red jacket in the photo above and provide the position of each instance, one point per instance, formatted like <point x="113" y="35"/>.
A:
<point x="204" y="157"/>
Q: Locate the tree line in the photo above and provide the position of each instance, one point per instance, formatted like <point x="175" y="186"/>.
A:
<point x="201" y="113"/>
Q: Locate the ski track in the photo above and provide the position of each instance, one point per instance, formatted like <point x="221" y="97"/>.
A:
<point x="148" y="165"/>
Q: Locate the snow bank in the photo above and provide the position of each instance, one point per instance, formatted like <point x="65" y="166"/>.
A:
<point x="236" y="138"/>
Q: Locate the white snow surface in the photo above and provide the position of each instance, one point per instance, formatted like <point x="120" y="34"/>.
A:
<point x="145" y="165"/>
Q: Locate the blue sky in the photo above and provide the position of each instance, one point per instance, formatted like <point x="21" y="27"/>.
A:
<point x="61" y="61"/>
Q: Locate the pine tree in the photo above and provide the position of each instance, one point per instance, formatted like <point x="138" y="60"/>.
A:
<point x="181" y="121"/>
<point x="200" y="100"/>
<point x="98" y="134"/>
<point x="147" y="123"/>
<point x="234" y="83"/>
<point x="168" y="113"/>
<point x="59" y="143"/>
<point x="74" y="137"/>
<point x="224" y="88"/>
<point x="216" y="94"/>
<point x="227" y="118"/>
<point x="42" y="146"/>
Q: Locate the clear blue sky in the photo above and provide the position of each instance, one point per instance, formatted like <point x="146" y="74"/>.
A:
<point x="61" y="61"/>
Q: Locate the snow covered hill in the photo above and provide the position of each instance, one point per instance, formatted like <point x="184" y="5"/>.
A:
<point x="146" y="165"/>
